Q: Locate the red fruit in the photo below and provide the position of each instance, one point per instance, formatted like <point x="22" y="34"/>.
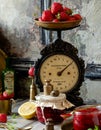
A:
<point x="11" y="95"/>
<point x="8" y="95"/>
<point x="1" y="97"/>
<point x="40" y="18"/>
<point x="67" y="10"/>
<point x="66" y="115"/>
<point x="77" y="16"/>
<point x="47" y="15"/>
<point x="3" y="117"/>
<point x="71" y="18"/>
<point x="62" y="16"/>
<point x="56" y="7"/>
<point x="31" y="71"/>
<point x="55" y="20"/>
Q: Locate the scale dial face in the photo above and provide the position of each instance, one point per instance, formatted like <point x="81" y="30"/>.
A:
<point x="62" y="70"/>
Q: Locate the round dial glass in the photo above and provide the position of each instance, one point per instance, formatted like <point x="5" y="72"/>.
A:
<point x="62" y="70"/>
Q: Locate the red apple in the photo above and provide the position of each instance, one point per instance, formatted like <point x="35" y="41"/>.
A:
<point x="3" y="117"/>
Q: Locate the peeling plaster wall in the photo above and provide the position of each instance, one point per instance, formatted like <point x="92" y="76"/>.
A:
<point x="16" y="24"/>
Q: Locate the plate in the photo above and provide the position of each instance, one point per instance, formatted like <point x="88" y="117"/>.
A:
<point x="3" y="57"/>
<point x="57" y="25"/>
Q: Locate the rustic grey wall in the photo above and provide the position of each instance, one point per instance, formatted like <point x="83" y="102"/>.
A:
<point x="16" y="22"/>
<point x="17" y="25"/>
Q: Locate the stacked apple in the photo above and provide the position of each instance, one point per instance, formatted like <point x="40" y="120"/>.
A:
<point x="58" y="12"/>
<point x="6" y="95"/>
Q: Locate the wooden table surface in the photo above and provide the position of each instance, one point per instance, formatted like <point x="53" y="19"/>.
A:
<point x="19" y="122"/>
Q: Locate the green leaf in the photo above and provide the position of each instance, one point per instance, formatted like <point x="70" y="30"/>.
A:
<point x="96" y="127"/>
<point x="10" y="126"/>
<point x="14" y="116"/>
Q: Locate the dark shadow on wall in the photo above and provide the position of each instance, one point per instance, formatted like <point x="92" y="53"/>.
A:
<point x="4" y="43"/>
<point x="46" y="35"/>
<point x="93" y="71"/>
<point x="20" y="65"/>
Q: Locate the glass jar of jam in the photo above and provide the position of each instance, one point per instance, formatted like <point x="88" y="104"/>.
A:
<point x="87" y="116"/>
<point x="51" y="107"/>
<point x="47" y="112"/>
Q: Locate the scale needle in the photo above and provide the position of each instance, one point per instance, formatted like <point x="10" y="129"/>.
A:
<point x="60" y="72"/>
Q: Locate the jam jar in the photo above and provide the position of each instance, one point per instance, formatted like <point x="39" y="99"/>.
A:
<point x="51" y="107"/>
<point x="87" y="116"/>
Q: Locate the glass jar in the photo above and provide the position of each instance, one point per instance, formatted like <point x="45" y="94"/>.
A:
<point x="8" y="78"/>
<point x="51" y="107"/>
<point x="44" y="113"/>
<point x="6" y="106"/>
<point x="87" y="116"/>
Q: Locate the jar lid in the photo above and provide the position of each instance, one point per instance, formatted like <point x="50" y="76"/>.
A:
<point x="58" y="102"/>
<point x="42" y="97"/>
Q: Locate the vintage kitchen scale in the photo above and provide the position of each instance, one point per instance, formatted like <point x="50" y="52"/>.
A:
<point x="60" y="63"/>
